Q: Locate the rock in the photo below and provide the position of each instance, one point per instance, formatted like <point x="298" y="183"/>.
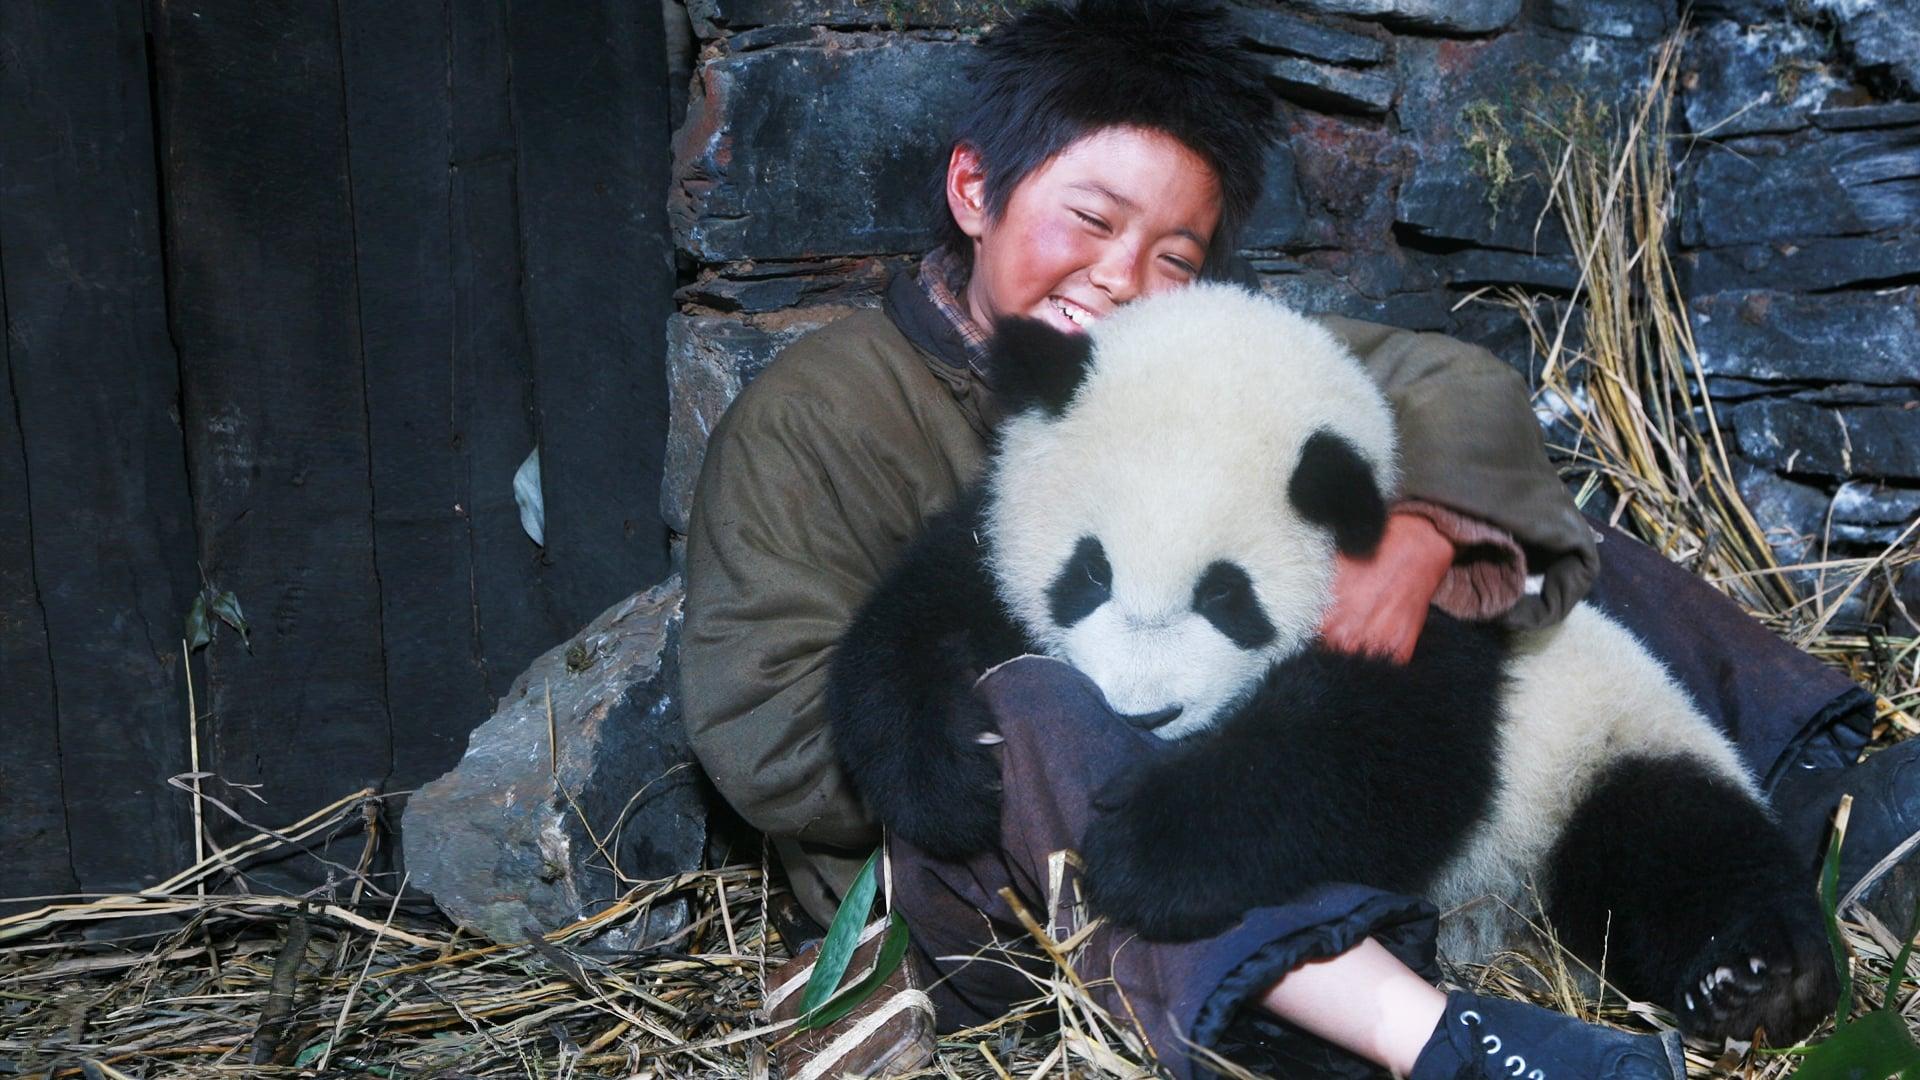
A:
<point x="1883" y="114"/>
<point x="1801" y="438"/>
<point x="1284" y="31"/>
<point x="1762" y="188"/>
<point x="1792" y="516"/>
<point x="1444" y="16"/>
<point x="1873" y="513"/>
<point x="1636" y="19"/>
<point x="1332" y="89"/>
<point x="773" y="286"/>
<point x="1832" y="337"/>
<point x="1463" y="112"/>
<point x="709" y="359"/>
<point x="1805" y="264"/>
<point x="1473" y="267"/>
<point x="1884" y="39"/>
<point x="711" y="17"/>
<point x="506" y="841"/>
<point x="1279" y="219"/>
<point x="1769" y="76"/>
<point x="1347" y="172"/>
<point x="828" y="151"/>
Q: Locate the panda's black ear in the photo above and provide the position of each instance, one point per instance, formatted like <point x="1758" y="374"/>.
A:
<point x="1333" y="486"/>
<point x="1031" y="364"/>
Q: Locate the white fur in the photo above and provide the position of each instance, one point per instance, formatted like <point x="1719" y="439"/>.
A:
<point x="1579" y="696"/>
<point x="1257" y="379"/>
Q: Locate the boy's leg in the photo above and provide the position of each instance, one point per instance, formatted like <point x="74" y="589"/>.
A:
<point x="1771" y="699"/>
<point x="1797" y="723"/>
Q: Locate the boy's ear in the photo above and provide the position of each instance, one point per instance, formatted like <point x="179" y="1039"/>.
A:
<point x="1333" y="486"/>
<point x="1033" y="365"/>
<point x="966" y="189"/>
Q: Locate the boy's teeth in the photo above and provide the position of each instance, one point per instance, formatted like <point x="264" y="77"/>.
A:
<point x="1068" y="312"/>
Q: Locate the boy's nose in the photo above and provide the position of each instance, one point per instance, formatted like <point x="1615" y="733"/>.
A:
<point x="1117" y="273"/>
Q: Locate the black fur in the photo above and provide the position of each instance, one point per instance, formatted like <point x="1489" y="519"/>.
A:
<point x="906" y="724"/>
<point x="1333" y="486"/>
<point x="1061" y="71"/>
<point x="1084" y="583"/>
<point x="1224" y="597"/>
<point x="1032" y="365"/>
<point x="1339" y="768"/>
<point x="1676" y="873"/>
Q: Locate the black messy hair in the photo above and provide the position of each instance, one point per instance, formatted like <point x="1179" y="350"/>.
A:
<point x="1062" y="71"/>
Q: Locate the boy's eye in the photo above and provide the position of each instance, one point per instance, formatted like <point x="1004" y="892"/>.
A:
<point x="1184" y="266"/>
<point x="1089" y="219"/>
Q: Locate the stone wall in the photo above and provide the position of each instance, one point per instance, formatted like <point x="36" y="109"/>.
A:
<point x="802" y="178"/>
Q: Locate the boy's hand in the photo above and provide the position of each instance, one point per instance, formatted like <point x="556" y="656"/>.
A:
<point x="1380" y="603"/>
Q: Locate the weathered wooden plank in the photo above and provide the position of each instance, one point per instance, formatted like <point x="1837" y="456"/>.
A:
<point x="267" y="321"/>
<point x="94" y="382"/>
<point x="399" y="123"/>
<point x="33" y="813"/>
<point x="492" y="362"/>
<point x="589" y="103"/>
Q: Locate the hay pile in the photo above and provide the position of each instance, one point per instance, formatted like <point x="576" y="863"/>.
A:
<point x="358" y="983"/>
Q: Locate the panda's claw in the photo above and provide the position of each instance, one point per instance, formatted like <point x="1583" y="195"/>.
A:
<point x="1767" y="971"/>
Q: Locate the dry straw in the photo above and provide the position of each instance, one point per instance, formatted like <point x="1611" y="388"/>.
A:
<point x="229" y="983"/>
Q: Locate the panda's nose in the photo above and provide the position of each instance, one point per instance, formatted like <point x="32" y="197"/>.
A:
<point x="1153" y="721"/>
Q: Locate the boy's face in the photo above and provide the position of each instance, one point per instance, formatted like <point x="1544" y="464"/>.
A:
<point x="1120" y="214"/>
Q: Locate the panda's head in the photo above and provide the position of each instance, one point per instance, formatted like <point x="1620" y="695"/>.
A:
<point x="1168" y="490"/>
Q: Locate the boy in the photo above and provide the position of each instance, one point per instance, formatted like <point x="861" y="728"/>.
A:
<point x="1111" y="151"/>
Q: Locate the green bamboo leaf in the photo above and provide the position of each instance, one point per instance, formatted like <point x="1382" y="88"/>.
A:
<point x="199" y="632"/>
<point x="1874" y="1047"/>
<point x="892" y="951"/>
<point x="311" y="1054"/>
<point x="1899" y="971"/>
<point x="1829" y="903"/>
<point x="227" y="607"/>
<point x="842" y="937"/>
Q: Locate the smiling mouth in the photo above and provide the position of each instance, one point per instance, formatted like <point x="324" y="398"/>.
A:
<point x="1072" y="312"/>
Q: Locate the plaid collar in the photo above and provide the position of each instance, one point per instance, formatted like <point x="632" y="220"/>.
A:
<point x="944" y="280"/>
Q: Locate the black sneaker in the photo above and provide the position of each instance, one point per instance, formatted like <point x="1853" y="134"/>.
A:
<point x="1480" y="1038"/>
<point x="1881" y="829"/>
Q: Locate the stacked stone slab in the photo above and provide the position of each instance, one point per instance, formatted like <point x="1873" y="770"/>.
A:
<point x="804" y="173"/>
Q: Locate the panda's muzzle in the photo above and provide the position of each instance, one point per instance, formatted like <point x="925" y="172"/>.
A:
<point x="1154" y="721"/>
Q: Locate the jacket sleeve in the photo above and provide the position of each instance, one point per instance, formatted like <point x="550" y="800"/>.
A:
<point x="1469" y="444"/>
<point x="792" y="526"/>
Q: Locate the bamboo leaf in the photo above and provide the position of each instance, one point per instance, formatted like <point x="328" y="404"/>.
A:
<point x="199" y="632"/>
<point x="842" y="937"/>
<point x="1829" y="902"/>
<point x="892" y="951"/>
<point x="227" y="607"/>
<point x="1874" y="1047"/>
<point x="1899" y="971"/>
<point x="311" y="1054"/>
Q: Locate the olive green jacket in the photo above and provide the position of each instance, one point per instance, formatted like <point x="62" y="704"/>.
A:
<point x="827" y="463"/>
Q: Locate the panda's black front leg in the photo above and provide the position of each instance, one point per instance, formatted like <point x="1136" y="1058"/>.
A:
<point x="1338" y="769"/>
<point x="908" y="729"/>
<point x="1678" y="879"/>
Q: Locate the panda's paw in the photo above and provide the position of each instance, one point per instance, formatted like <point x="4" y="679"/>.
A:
<point x="947" y="801"/>
<point x="1145" y="878"/>
<point x="1768" y="971"/>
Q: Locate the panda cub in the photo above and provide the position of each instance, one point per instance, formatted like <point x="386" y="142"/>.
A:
<point x="1161" y="509"/>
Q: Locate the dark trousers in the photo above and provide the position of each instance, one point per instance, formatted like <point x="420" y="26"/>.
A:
<point x="1063" y="745"/>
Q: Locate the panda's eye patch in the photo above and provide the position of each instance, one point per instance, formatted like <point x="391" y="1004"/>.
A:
<point x="1224" y="597"/>
<point x="1083" y="584"/>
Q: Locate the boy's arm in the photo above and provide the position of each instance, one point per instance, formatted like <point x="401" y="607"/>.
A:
<point x="1471" y="456"/>
<point x="787" y="539"/>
